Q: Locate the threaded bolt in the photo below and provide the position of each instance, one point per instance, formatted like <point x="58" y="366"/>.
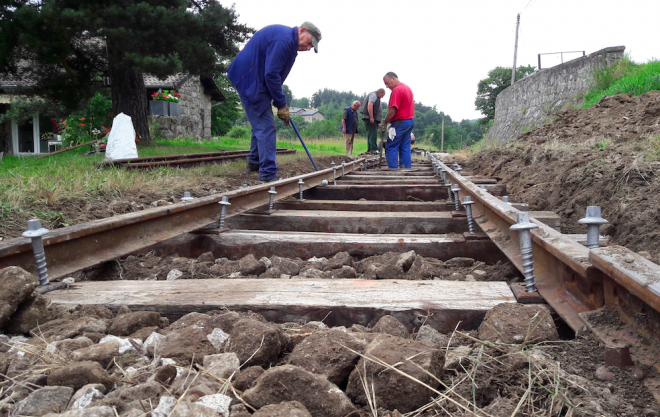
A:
<point x="361" y="166"/>
<point x="506" y="199"/>
<point x="343" y="165"/>
<point x="34" y="233"/>
<point x="245" y="186"/>
<point x="449" y="192"/>
<point x="223" y="212"/>
<point x="443" y="172"/>
<point x="483" y="187"/>
<point x="458" y="170"/>
<point x="186" y="196"/>
<point x="272" y="193"/>
<point x="525" y="238"/>
<point x="593" y="222"/>
<point x="300" y="186"/>
<point x="457" y="197"/>
<point x="333" y="164"/>
<point x="467" y="202"/>
<point x="334" y="174"/>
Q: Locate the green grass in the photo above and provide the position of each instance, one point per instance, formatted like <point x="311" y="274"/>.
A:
<point x="29" y="181"/>
<point x="624" y="77"/>
<point x="330" y="146"/>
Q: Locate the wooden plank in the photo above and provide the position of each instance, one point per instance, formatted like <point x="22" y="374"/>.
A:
<point x="357" y="176"/>
<point x="550" y="218"/>
<point x="349" y="205"/>
<point x="90" y="143"/>
<point x="235" y="244"/>
<point x="431" y="192"/>
<point x="346" y="222"/>
<point x="344" y="301"/>
<point x="393" y="172"/>
<point x="400" y="182"/>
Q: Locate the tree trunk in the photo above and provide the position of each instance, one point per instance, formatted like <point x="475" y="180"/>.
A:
<point x="129" y="96"/>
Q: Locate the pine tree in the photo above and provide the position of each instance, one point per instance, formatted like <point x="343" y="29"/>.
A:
<point x="66" y="47"/>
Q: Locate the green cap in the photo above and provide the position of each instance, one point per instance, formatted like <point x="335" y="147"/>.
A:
<point x="315" y="32"/>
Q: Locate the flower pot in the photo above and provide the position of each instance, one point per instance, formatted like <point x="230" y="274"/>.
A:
<point x="175" y="109"/>
<point x="159" y="108"/>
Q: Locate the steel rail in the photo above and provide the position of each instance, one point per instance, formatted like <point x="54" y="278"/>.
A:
<point x="570" y="277"/>
<point x="182" y="160"/>
<point x="73" y="248"/>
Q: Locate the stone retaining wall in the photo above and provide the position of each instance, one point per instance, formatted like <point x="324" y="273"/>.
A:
<point x="195" y="119"/>
<point x="531" y="102"/>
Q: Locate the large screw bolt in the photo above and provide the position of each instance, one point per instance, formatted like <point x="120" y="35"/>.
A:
<point x="333" y="164"/>
<point x="449" y="192"/>
<point x="593" y="222"/>
<point x="525" y="237"/>
<point x="343" y="165"/>
<point x="443" y="172"/>
<point x="483" y="187"/>
<point x="300" y="187"/>
<point x="361" y="166"/>
<point x="467" y="202"/>
<point x="457" y="198"/>
<point x="334" y="174"/>
<point x="35" y="232"/>
<point x="506" y="199"/>
<point x="186" y="196"/>
<point x="245" y="186"/>
<point x="272" y="193"/>
<point x="454" y="165"/>
<point x="223" y="212"/>
<point x="458" y="170"/>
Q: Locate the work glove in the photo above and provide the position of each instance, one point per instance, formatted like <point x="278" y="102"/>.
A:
<point x="382" y="127"/>
<point x="283" y="114"/>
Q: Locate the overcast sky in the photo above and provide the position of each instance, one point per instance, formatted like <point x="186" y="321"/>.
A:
<point x="442" y="49"/>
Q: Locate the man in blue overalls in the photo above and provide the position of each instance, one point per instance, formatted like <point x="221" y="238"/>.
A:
<point x="258" y="72"/>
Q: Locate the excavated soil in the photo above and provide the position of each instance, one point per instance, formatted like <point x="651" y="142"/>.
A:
<point x="607" y="156"/>
<point x="390" y="265"/>
<point x="139" y="364"/>
<point x="102" y="205"/>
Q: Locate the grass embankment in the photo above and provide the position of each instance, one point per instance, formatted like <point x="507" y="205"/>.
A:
<point x="625" y="76"/>
<point x="39" y="183"/>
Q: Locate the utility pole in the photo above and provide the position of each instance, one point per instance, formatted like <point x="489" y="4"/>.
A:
<point x="442" y="142"/>
<point x="515" y="53"/>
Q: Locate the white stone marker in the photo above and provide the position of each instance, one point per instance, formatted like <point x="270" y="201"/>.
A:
<point x="121" y="143"/>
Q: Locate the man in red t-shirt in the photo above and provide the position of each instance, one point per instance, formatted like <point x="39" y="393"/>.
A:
<point x="401" y="115"/>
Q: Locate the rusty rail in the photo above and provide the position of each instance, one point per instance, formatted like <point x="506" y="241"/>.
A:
<point x="183" y="160"/>
<point x="571" y="278"/>
<point x="74" y="248"/>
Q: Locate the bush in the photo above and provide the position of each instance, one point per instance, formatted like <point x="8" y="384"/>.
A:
<point x="624" y="77"/>
<point x="239" y="132"/>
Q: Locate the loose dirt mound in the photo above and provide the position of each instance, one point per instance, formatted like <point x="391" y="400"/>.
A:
<point x="607" y="155"/>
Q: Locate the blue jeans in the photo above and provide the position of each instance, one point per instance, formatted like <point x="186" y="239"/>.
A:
<point x="263" y="144"/>
<point x="397" y="150"/>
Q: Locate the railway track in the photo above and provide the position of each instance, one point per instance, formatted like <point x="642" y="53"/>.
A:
<point x="364" y="210"/>
<point x="183" y="160"/>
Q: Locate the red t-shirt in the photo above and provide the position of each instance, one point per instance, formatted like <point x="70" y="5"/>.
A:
<point x="402" y="99"/>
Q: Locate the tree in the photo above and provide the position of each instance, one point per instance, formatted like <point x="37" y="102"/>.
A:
<point x="487" y="90"/>
<point x="288" y="95"/>
<point x="225" y="114"/>
<point x="67" y="46"/>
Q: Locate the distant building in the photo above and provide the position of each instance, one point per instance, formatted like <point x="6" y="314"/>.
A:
<point x="310" y="115"/>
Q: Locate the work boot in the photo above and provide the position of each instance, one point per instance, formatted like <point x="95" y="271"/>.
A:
<point x="251" y="169"/>
<point x="275" y="178"/>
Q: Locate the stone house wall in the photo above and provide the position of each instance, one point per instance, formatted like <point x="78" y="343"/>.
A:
<point x="195" y="119"/>
<point x="531" y="102"/>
